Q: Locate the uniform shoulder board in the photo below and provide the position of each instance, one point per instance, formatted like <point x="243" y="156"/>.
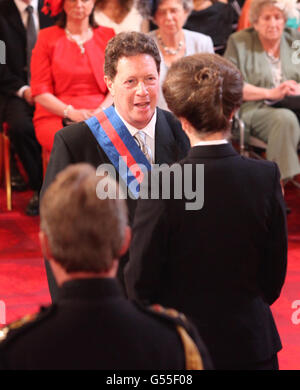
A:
<point x="20" y="324"/>
<point x="193" y="359"/>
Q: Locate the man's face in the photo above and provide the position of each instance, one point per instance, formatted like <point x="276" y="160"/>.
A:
<point x="135" y="89"/>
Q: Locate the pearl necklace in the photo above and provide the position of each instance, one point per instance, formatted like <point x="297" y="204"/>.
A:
<point x="77" y="41"/>
<point x="167" y="49"/>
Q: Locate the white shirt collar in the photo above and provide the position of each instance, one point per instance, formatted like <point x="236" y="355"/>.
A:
<point x="212" y="142"/>
<point x="149" y="130"/>
<point x="21" y="5"/>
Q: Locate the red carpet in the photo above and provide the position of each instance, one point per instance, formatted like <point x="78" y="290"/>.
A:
<point x="23" y="284"/>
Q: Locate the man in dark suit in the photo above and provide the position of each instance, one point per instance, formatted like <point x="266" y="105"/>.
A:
<point x="92" y="326"/>
<point x="16" y="103"/>
<point x="223" y="263"/>
<point x="132" y="76"/>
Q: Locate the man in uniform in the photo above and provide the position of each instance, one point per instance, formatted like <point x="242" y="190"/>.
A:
<point x="92" y="326"/>
<point x="132" y="64"/>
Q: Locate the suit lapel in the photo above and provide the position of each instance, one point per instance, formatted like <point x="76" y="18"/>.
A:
<point x="261" y="69"/>
<point x="165" y="146"/>
<point x="14" y="19"/>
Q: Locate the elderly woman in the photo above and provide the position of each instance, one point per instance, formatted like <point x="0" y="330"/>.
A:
<point x="264" y="54"/>
<point x="221" y="261"/>
<point x="119" y="15"/>
<point x="67" y="68"/>
<point x="173" y="41"/>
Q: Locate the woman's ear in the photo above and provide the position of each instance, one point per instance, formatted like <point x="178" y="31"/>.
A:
<point x="187" y="127"/>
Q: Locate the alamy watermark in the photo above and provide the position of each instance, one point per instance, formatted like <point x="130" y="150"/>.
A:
<point x="161" y="182"/>
<point x="296" y="53"/>
<point x="2" y="313"/>
<point x="2" y="53"/>
<point x="296" y="314"/>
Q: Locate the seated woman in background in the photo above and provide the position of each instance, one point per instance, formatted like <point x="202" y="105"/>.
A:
<point x="172" y="40"/>
<point x="292" y="22"/>
<point x="121" y="15"/>
<point x="67" y="68"/>
<point x="264" y="54"/>
<point x="213" y="18"/>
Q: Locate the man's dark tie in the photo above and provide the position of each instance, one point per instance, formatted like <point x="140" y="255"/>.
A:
<point x="31" y="37"/>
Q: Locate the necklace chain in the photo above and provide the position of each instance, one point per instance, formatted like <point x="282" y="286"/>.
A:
<point x="167" y="49"/>
<point x="79" y="42"/>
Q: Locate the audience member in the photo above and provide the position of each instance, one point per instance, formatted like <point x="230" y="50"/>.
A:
<point x="131" y="69"/>
<point x="223" y="264"/>
<point x="93" y="326"/>
<point x="20" y="21"/>
<point x="119" y="15"/>
<point x="173" y="41"/>
<point x="244" y="20"/>
<point x="213" y="18"/>
<point x="264" y="54"/>
<point x="67" y="68"/>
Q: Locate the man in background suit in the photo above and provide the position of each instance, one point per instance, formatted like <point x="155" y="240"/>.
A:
<point x="222" y="263"/>
<point x="16" y="103"/>
<point x="132" y="64"/>
<point x="92" y="326"/>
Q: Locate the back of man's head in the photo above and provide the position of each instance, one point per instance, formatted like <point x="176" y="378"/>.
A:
<point x="85" y="233"/>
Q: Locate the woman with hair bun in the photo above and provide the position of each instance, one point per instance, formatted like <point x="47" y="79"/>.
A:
<point x="214" y="248"/>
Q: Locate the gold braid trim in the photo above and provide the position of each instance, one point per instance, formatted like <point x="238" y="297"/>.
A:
<point x="16" y="324"/>
<point x="193" y="360"/>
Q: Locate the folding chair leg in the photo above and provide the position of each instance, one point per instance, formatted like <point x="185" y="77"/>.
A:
<point x="45" y="160"/>
<point x="1" y="156"/>
<point x="7" y="171"/>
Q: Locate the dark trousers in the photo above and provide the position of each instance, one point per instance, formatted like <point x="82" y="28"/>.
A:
<point x="18" y="114"/>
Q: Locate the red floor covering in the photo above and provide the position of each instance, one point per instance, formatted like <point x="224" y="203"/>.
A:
<point x="23" y="284"/>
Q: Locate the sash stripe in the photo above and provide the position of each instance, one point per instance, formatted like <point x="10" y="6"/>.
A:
<point x="116" y="141"/>
<point x="119" y="145"/>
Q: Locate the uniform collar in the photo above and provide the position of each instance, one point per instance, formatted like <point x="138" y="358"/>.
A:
<point x="90" y="289"/>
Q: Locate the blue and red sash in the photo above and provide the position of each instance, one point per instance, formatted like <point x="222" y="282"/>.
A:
<point x="119" y="145"/>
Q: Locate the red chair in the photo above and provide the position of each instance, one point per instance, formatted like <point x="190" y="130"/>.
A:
<point x="5" y="163"/>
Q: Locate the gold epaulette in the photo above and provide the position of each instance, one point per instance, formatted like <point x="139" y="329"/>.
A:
<point x="16" y="324"/>
<point x="193" y="360"/>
